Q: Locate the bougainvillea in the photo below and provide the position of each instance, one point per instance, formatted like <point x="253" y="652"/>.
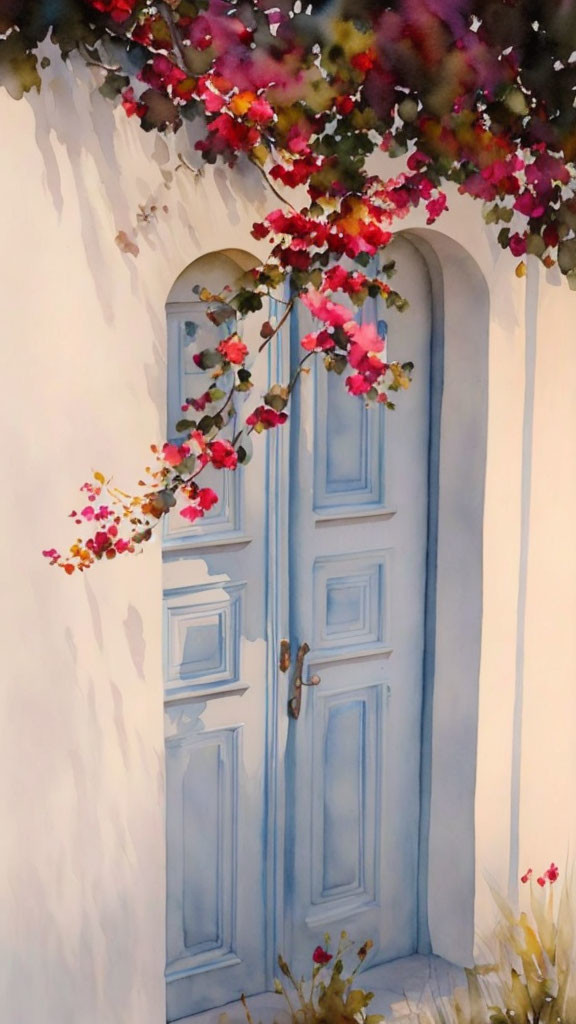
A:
<point x="475" y="92"/>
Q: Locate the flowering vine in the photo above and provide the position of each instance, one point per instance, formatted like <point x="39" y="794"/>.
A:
<point x="474" y="92"/>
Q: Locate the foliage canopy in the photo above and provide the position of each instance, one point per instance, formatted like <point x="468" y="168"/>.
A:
<point x="476" y="92"/>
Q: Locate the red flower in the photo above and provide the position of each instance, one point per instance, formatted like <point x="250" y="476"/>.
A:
<point x="320" y="956"/>
<point x="260" y="230"/>
<point x="233" y="349"/>
<point x="118" y="10"/>
<point x="344" y="105"/>
<point x="317" y="341"/>
<point x="263" y="418"/>
<point x="517" y="244"/>
<point x="363" y="61"/>
<point x="206" y="498"/>
<point x="173" y="454"/>
<point x="223" y="455"/>
<point x="131" y="104"/>
<point x="325" y="309"/>
<point x="552" y="873"/>
<point x="191" y="512"/>
<point x="525" y="877"/>
<point x="357" y="384"/>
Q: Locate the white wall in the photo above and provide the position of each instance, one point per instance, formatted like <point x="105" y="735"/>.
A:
<point x="83" y="377"/>
<point x="83" y="388"/>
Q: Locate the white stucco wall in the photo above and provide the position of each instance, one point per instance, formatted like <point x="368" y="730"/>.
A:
<point x="83" y="377"/>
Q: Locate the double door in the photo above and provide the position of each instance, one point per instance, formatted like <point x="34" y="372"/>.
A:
<point x="283" y="828"/>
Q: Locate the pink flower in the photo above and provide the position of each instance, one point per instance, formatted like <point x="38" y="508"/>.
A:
<point x="357" y="384"/>
<point x="99" y="543"/>
<point x="206" y="498"/>
<point x="261" y="111"/>
<point x="191" y="512"/>
<point x="131" y="104"/>
<point x="213" y="102"/>
<point x="223" y="455"/>
<point x="365" y="343"/>
<point x="317" y="341"/>
<point x="233" y="349"/>
<point x="321" y="956"/>
<point x="434" y="207"/>
<point x="527" y="204"/>
<point x="335" y="278"/>
<point x="366" y="337"/>
<point x="173" y="454"/>
<point x="552" y="873"/>
<point x="52" y="554"/>
<point x="325" y="309"/>
<point x="264" y="418"/>
<point x="517" y="244"/>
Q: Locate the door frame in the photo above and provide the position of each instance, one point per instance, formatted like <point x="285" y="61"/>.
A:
<point x="458" y="399"/>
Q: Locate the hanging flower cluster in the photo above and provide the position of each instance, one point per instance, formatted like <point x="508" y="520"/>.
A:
<point x="474" y="92"/>
<point x="550" y="875"/>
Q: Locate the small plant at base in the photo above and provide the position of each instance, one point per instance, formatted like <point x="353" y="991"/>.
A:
<point x="532" y="976"/>
<point x="329" y="996"/>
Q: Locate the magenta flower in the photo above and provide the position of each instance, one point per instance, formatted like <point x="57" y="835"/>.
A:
<point x="321" y="956"/>
<point x="223" y="455"/>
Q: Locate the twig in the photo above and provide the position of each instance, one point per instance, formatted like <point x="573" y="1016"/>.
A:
<point x="197" y="172"/>
<point x="270" y="185"/>
<point x="177" y="46"/>
<point x="305" y="359"/>
<point x="94" y="61"/>
<point x="279" y="325"/>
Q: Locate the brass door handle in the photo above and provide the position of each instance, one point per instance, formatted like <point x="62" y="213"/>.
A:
<point x="295" y="700"/>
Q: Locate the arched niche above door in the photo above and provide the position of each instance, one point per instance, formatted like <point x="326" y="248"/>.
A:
<point x="214" y="271"/>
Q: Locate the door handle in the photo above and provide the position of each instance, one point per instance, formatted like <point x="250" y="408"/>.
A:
<point x="295" y="700"/>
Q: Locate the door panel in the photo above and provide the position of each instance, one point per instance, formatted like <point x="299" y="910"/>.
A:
<point x="358" y="542"/>
<point x="215" y="675"/>
<point x="356" y="508"/>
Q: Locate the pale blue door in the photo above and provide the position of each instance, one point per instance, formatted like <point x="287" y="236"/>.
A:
<point x="358" y="543"/>
<point x="215" y="683"/>
<point x="335" y="795"/>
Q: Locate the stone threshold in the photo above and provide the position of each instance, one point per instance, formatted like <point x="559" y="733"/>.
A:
<point x="398" y="986"/>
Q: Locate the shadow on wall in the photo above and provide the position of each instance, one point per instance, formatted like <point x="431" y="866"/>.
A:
<point x="115" y="167"/>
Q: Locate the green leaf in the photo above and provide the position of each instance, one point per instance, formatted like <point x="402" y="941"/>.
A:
<point x="246" y="301"/>
<point x="277" y="398"/>
<point x="220" y="314"/>
<point x="162" y="502"/>
<point x="209" y="358"/>
<point x="394" y="300"/>
<point x="336" y="363"/>
<point x="113" y="85"/>
<point x="535" y="245"/>
<point x="187" y="465"/>
<point x="18" y="68"/>
<point x="183" y="426"/>
<point x="244" y="448"/>
<point x="567" y="255"/>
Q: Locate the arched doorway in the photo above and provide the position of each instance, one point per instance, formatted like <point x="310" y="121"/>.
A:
<point x="280" y="829"/>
